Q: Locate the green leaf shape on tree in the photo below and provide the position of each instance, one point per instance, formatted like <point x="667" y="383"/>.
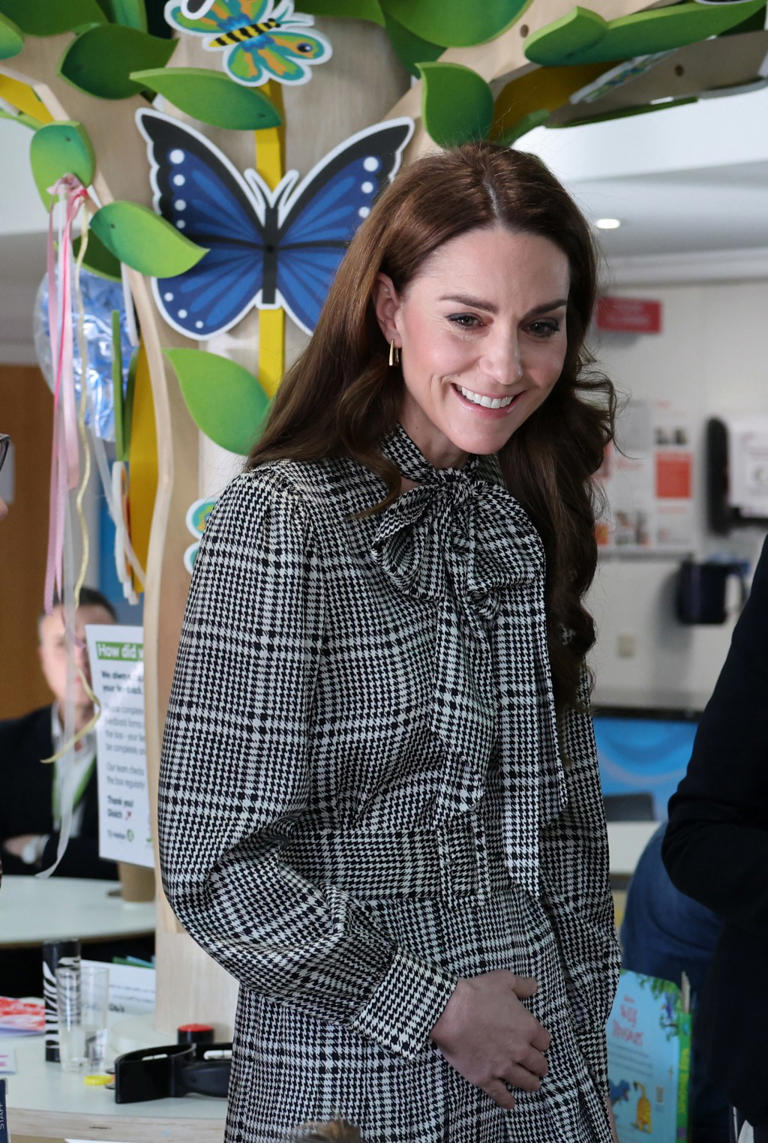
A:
<point x="225" y="401"/>
<point x="97" y="258"/>
<point x="455" y="23"/>
<point x="50" y="17"/>
<point x="144" y="241"/>
<point x="11" y="38"/>
<point x="533" y="119"/>
<point x="101" y="60"/>
<point x="20" y="117"/>
<point x="345" y="9"/>
<point x="121" y="443"/>
<point x="582" y="37"/>
<point x="129" y="13"/>
<point x="211" y="97"/>
<point x="60" y="149"/>
<point x="411" y="50"/>
<point x="456" y="104"/>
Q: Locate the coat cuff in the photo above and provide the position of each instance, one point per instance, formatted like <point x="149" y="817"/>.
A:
<point x="405" y="1006"/>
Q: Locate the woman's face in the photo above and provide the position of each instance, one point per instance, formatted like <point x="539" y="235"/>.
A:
<point x="482" y="337"/>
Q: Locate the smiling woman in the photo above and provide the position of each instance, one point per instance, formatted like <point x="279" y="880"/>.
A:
<point x="379" y="800"/>
<point x="481" y="347"/>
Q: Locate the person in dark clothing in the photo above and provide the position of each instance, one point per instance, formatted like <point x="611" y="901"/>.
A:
<point x="32" y="788"/>
<point x="664" y="933"/>
<point x="716" y="851"/>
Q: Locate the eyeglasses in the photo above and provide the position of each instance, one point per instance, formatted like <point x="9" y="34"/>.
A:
<point x="5" y="444"/>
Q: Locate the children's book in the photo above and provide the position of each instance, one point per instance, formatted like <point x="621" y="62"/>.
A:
<point x="649" y="1056"/>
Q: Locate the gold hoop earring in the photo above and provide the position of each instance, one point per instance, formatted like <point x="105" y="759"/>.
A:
<point x="394" y="354"/>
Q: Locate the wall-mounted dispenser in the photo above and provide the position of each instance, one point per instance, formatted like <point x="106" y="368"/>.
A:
<point x="700" y="595"/>
<point x="737" y="473"/>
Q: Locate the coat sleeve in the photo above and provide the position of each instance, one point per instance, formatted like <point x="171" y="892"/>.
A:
<point x="576" y="892"/>
<point x="235" y="776"/>
<point x="716" y="844"/>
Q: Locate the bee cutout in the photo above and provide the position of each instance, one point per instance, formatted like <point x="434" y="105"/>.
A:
<point x="261" y="40"/>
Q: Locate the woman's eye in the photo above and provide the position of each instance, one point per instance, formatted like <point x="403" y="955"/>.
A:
<point x="544" y="328"/>
<point x="464" y="321"/>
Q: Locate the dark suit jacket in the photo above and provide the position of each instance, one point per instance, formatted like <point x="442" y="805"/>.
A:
<point x="25" y="805"/>
<point x="716" y="850"/>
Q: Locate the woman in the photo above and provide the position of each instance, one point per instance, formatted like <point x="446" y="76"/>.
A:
<point x="380" y="803"/>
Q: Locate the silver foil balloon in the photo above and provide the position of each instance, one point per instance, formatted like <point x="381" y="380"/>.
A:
<point x="100" y="297"/>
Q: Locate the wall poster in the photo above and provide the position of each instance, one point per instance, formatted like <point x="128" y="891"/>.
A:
<point x="647" y="478"/>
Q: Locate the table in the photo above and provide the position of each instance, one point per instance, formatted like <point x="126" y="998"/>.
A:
<point x="626" y="841"/>
<point x="34" y="909"/>
<point x="48" y="1103"/>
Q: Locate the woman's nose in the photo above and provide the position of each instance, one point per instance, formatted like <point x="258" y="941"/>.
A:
<point x="501" y="358"/>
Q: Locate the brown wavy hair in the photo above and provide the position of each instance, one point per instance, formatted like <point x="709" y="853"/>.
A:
<point x="340" y="397"/>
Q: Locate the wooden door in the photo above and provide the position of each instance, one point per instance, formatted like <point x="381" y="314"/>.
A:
<point x="26" y="412"/>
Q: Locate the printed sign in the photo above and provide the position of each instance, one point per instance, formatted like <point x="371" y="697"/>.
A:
<point x="116" y="655"/>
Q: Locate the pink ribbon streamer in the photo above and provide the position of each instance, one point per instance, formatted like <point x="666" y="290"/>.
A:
<point x="65" y="457"/>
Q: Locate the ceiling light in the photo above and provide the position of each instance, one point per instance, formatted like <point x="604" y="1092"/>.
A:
<point x="607" y="223"/>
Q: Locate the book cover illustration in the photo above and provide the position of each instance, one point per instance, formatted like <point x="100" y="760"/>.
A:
<point x="649" y="1051"/>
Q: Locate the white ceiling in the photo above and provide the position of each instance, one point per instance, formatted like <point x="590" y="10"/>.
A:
<point x="689" y="182"/>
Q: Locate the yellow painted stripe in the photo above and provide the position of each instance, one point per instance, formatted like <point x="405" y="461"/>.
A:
<point x="142" y="466"/>
<point x="271" y="349"/>
<point x="546" y="88"/>
<point x="270" y="143"/>
<point x="21" y="95"/>
<point x="270" y="163"/>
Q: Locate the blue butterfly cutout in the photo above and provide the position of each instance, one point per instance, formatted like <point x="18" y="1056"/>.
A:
<point x="266" y="248"/>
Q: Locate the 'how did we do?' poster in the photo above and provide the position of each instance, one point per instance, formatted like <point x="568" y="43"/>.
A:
<point x="116" y="655"/>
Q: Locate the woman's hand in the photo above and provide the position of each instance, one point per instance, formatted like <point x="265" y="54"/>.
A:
<point x="490" y="1038"/>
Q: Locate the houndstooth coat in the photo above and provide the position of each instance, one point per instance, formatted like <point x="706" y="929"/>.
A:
<point x="362" y="798"/>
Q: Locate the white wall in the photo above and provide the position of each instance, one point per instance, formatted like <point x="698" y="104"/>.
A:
<point x="710" y="357"/>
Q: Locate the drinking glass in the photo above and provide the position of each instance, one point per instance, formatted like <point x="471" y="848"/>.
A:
<point x="82" y="992"/>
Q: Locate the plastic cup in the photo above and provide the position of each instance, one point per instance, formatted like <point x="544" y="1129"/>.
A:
<point x="82" y="992"/>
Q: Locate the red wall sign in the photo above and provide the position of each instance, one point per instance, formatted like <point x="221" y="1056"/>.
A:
<point x="629" y="315"/>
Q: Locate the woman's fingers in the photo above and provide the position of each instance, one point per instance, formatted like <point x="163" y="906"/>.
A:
<point x="518" y="1076"/>
<point x="500" y="1093"/>
<point x="534" y="1062"/>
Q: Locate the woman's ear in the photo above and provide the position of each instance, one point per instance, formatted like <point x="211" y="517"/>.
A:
<point x="386" y="304"/>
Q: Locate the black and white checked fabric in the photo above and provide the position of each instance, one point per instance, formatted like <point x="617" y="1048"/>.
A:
<point x="362" y="798"/>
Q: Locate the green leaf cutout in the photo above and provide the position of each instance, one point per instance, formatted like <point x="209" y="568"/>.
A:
<point x="144" y="241"/>
<point x="60" y="149"/>
<point x="516" y="131"/>
<point x="225" y="401"/>
<point x="129" y="13"/>
<point x="345" y="9"/>
<point x="97" y="258"/>
<point x="11" y="38"/>
<point x="582" y="36"/>
<point x="20" y="117"/>
<point x="455" y="23"/>
<point x="133" y="365"/>
<point x="50" y="17"/>
<point x="211" y="97"/>
<point x="411" y="50"/>
<point x="456" y="104"/>
<point x="121" y="445"/>
<point x="101" y="60"/>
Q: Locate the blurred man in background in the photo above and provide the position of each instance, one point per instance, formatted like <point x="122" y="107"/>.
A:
<point x="35" y="791"/>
